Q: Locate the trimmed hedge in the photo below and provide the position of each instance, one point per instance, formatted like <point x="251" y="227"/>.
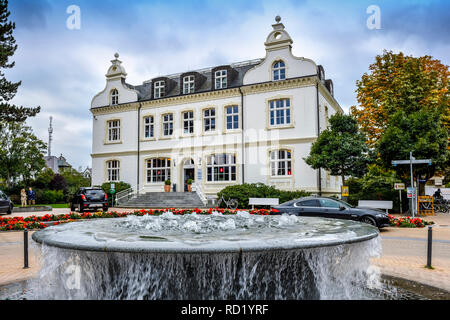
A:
<point x="242" y="192"/>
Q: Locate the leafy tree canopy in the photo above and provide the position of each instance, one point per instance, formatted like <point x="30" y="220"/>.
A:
<point x="400" y="83"/>
<point x="341" y="149"/>
<point x="21" y="152"/>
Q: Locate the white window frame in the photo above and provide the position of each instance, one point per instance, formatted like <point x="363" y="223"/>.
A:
<point x="114" y="97"/>
<point x="188" y="84"/>
<point x="113" y="170"/>
<point x="281" y="163"/>
<point x="167" y="124"/>
<point x="209" y="121"/>
<point x="234" y="113"/>
<point x="277" y="69"/>
<point x="280" y="113"/>
<point x="221" y="165"/>
<point x="157" y="173"/>
<point x="113" y="130"/>
<point x="149" y="127"/>
<point x="220" y="79"/>
<point x="158" y="89"/>
<point x="189" y="121"/>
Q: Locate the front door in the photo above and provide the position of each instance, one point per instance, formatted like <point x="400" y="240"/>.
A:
<point x="188" y="174"/>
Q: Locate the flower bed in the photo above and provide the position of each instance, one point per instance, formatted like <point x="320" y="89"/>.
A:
<point x="408" y="222"/>
<point x="36" y="222"/>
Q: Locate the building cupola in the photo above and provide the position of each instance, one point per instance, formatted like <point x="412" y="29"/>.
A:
<point x="278" y="38"/>
<point x="116" y="70"/>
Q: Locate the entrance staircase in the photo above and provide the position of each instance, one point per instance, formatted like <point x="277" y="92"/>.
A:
<point x="164" y="200"/>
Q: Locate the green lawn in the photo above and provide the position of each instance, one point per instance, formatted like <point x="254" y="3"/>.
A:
<point x="53" y="205"/>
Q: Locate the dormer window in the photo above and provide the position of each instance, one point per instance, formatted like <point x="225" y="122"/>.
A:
<point x="159" y="89"/>
<point x="188" y="84"/>
<point x="114" y="97"/>
<point x="279" y="71"/>
<point x="221" y="79"/>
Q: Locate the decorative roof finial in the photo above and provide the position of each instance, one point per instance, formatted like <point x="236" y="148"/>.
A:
<point x="278" y="19"/>
<point x="116" y="55"/>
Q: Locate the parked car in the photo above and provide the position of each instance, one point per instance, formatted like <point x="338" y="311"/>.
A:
<point x="89" y="199"/>
<point x="332" y="208"/>
<point x="6" y="205"/>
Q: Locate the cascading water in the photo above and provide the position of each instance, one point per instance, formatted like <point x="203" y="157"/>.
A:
<point x="219" y="256"/>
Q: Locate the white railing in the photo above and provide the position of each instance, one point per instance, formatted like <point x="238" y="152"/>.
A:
<point x="125" y="195"/>
<point x="198" y="189"/>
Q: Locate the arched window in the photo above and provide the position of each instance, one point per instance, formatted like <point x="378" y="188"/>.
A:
<point x="281" y="163"/>
<point x="158" y="170"/>
<point x="113" y="170"/>
<point x="221" y="167"/>
<point x="114" y="97"/>
<point x="279" y="70"/>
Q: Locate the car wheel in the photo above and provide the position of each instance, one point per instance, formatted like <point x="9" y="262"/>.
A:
<point x="369" y="220"/>
<point x="9" y="210"/>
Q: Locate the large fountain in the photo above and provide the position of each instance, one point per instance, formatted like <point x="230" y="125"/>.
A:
<point x="214" y="256"/>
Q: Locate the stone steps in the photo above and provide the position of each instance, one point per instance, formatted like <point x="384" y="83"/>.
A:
<point x="165" y="200"/>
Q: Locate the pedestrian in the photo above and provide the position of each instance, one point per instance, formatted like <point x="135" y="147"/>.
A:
<point x="31" y="197"/>
<point x="23" y="197"/>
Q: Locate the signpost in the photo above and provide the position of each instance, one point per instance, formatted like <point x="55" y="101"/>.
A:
<point x="112" y="190"/>
<point x="411" y="161"/>
<point x="399" y="187"/>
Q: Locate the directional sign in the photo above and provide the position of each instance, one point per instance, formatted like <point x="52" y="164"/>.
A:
<point x="397" y="162"/>
<point x="399" y="186"/>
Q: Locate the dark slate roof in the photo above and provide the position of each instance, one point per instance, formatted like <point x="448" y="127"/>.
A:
<point x="145" y="90"/>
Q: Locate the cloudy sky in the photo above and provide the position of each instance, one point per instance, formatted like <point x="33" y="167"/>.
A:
<point x="62" y="69"/>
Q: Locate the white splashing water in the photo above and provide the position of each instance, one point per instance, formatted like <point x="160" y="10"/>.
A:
<point x="332" y="272"/>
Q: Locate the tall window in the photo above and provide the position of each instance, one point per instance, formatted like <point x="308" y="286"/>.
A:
<point x="279" y="71"/>
<point x="232" y="117"/>
<point x="159" y="89"/>
<point x="168" y="124"/>
<point x="113" y="170"/>
<point x="221" y="167"/>
<point x="149" y="127"/>
<point x="280" y="112"/>
<point x="158" y="170"/>
<point x="114" y="130"/>
<point x="221" y="79"/>
<point x="188" y="122"/>
<point x="209" y="119"/>
<point x="114" y="97"/>
<point x="188" y="84"/>
<point x="280" y="163"/>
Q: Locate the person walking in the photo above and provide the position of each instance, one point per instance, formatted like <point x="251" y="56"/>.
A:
<point x="23" y="197"/>
<point x="31" y="197"/>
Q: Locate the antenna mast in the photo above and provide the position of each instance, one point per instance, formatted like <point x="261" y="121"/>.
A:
<point x="50" y="138"/>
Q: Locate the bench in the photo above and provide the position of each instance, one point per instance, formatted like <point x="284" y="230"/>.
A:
<point x="263" y="202"/>
<point x="375" y="204"/>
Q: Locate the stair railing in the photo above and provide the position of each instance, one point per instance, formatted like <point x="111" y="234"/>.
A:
<point x="198" y="189"/>
<point x="127" y="194"/>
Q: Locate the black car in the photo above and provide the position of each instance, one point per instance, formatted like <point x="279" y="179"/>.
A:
<point x="6" y="205"/>
<point x="332" y="208"/>
<point x="89" y="199"/>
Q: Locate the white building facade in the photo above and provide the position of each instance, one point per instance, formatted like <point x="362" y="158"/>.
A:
<point x="247" y="122"/>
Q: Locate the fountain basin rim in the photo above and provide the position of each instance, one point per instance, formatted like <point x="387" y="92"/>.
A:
<point x="174" y="248"/>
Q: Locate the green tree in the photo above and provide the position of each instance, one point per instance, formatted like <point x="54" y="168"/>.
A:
<point x="8" y="89"/>
<point x="75" y="180"/>
<point x="43" y="179"/>
<point x="341" y="149"/>
<point x="21" y="152"/>
<point x="421" y="132"/>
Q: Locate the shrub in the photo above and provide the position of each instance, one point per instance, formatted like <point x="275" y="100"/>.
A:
<point x="243" y="192"/>
<point x="50" y="196"/>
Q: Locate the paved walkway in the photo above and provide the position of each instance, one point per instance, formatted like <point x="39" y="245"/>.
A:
<point x="404" y="253"/>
